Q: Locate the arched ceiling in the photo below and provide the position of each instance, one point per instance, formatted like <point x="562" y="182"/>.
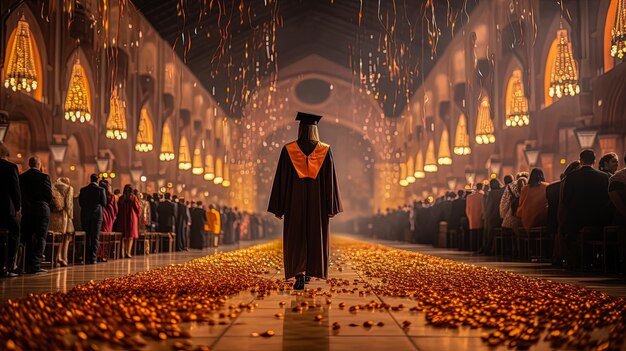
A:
<point x="397" y="33"/>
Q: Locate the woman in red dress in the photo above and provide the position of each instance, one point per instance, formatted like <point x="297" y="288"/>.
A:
<point x="128" y="219"/>
<point x="109" y="214"/>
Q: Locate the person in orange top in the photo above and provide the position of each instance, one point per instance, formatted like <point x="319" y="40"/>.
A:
<point x="213" y="225"/>
<point x="533" y="203"/>
<point x="474" y="212"/>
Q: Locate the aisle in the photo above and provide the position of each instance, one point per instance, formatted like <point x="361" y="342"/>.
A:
<point x="378" y="298"/>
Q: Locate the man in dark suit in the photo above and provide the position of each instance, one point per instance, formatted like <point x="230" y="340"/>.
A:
<point x="586" y="202"/>
<point x="167" y="214"/>
<point x="36" y="191"/>
<point x="182" y="219"/>
<point x="92" y="200"/>
<point x="197" y="235"/>
<point x="154" y="214"/>
<point x="10" y="204"/>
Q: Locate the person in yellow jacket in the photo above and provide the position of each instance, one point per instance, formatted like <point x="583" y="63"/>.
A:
<point x="213" y="225"/>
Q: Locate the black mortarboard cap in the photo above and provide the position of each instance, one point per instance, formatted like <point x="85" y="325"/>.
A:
<point x="307" y="118"/>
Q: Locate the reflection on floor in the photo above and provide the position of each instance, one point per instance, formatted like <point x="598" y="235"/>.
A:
<point x="323" y="324"/>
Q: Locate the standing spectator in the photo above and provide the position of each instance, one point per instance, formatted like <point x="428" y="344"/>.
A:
<point x="144" y="213"/>
<point x="109" y="212"/>
<point x="182" y="219"/>
<point x="154" y="215"/>
<point x="92" y="200"/>
<point x="197" y="235"/>
<point x="609" y="163"/>
<point x="61" y="216"/>
<point x="36" y="197"/>
<point x="553" y="196"/>
<point x="585" y="202"/>
<point x="10" y="205"/>
<point x="492" y="214"/>
<point x="213" y="225"/>
<point x="509" y="205"/>
<point x="128" y="219"/>
<point x="617" y="194"/>
<point x="167" y="215"/>
<point x="533" y="205"/>
<point x="474" y="212"/>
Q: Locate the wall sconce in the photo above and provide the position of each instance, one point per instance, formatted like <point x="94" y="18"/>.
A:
<point x="586" y="137"/>
<point x="532" y="155"/>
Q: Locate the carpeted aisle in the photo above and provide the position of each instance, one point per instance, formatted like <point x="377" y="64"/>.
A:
<point x="377" y="298"/>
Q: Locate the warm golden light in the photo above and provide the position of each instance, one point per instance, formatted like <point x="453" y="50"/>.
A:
<point x="564" y="74"/>
<point x="226" y="180"/>
<point x="403" y="174"/>
<point x="198" y="168"/>
<point x="218" y="172"/>
<point x="484" y="125"/>
<point x="445" y="158"/>
<point x="184" y="156"/>
<point x="77" y="100"/>
<point x="116" y="122"/>
<point x="516" y="104"/>
<point x="461" y="138"/>
<point x="410" y="170"/>
<point x="145" y="133"/>
<point x="430" y="165"/>
<point x="167" y="144"/>
<point x="618" y="33"/>
<point x="209" y="167"/>
<point x="21" y="73"/>
<point x="419" y="166"/>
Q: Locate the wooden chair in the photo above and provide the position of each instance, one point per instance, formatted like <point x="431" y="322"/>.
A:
<point x="539" y="240"/>
<point x="53" y="243"/>
<point x="501" y="237"/>
<point x="592" y="248"/>
<point x="4" y="248"/>
<point x="116" y="245"/>
<point x="79" y="243"/>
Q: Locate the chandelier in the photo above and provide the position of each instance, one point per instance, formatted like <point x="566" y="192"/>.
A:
<point x="77" y="106"/>
<point x="419" y="166"/>
<point x="518" y="114"/>
<point x="198" y="168"/>
<point x="403" y="172"/>
<point x="564" y="75"/>
<point x="219" y="178"/>
<point x="145" y="134"/>
<point x="410" y="170"/>
<point x="116" y="123"/>
<point x="445" y="159"/>
<point x="184" y="158"/>
<point x="484" y="125"/>
<point x="167" y="144"/>
<point x="226" y="181"/>
<point x="209" y="168"/>
<point x="461" y="138"/>
<point x="21" y="73"/>
<point x="618" y="33"/>
<point x="430" y="165"/>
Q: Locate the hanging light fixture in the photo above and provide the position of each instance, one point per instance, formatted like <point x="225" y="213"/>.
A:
<point x="445" y="158"/>
<point x="145" y="133"/>
<point x="20" y="71"/>
<point x="564" y="75"/>
<point x="618" y="33"/>
<point x="410" y="170"/>
<point x="116" y="122"/>
<point x="219" y="178"/>
<point x="484" y="124"/>
<point x="167" y="143"/>
<point x="461" y="138"/>
<point x="198" y="168"/>
<point x="419" y="166"/>
<point x="403" y="182"/>
<point x="518" y="115"/>
<point x="209" y="167"/>
<point x="77" y="105"/>
<point x="430" y="164"/>
<point x="184" y="157"/>
<point x="226" y="181"/>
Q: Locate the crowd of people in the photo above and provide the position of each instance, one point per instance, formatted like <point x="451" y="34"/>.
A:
<point x="31" y="206"/>
<point x="584" y="199"/>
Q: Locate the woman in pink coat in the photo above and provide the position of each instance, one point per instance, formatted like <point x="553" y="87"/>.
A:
<point x="128" y="219"/>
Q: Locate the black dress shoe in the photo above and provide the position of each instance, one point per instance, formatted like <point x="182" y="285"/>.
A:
<point x="307" y="279"/>
<point x="9" y="274"/>
<point x="299" y="284"/>
<point x="38" y="271"/>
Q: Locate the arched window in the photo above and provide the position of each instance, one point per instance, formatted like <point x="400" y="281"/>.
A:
<point x="609" y="25"/>
<point x="145" y="133"/>
<point x="516" y="104"/>
<point x="23" y="68"/>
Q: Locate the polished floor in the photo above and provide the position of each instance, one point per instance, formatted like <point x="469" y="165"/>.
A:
<point x="323" y="324"/>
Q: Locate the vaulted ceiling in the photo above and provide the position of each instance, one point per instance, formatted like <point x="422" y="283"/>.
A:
<point x="213" y="37"/>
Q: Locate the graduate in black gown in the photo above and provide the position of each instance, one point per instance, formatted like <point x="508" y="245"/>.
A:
<point x="305" y="192"/>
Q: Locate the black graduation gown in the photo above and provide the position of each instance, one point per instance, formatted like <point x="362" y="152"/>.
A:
<point x="306" y="205"/>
